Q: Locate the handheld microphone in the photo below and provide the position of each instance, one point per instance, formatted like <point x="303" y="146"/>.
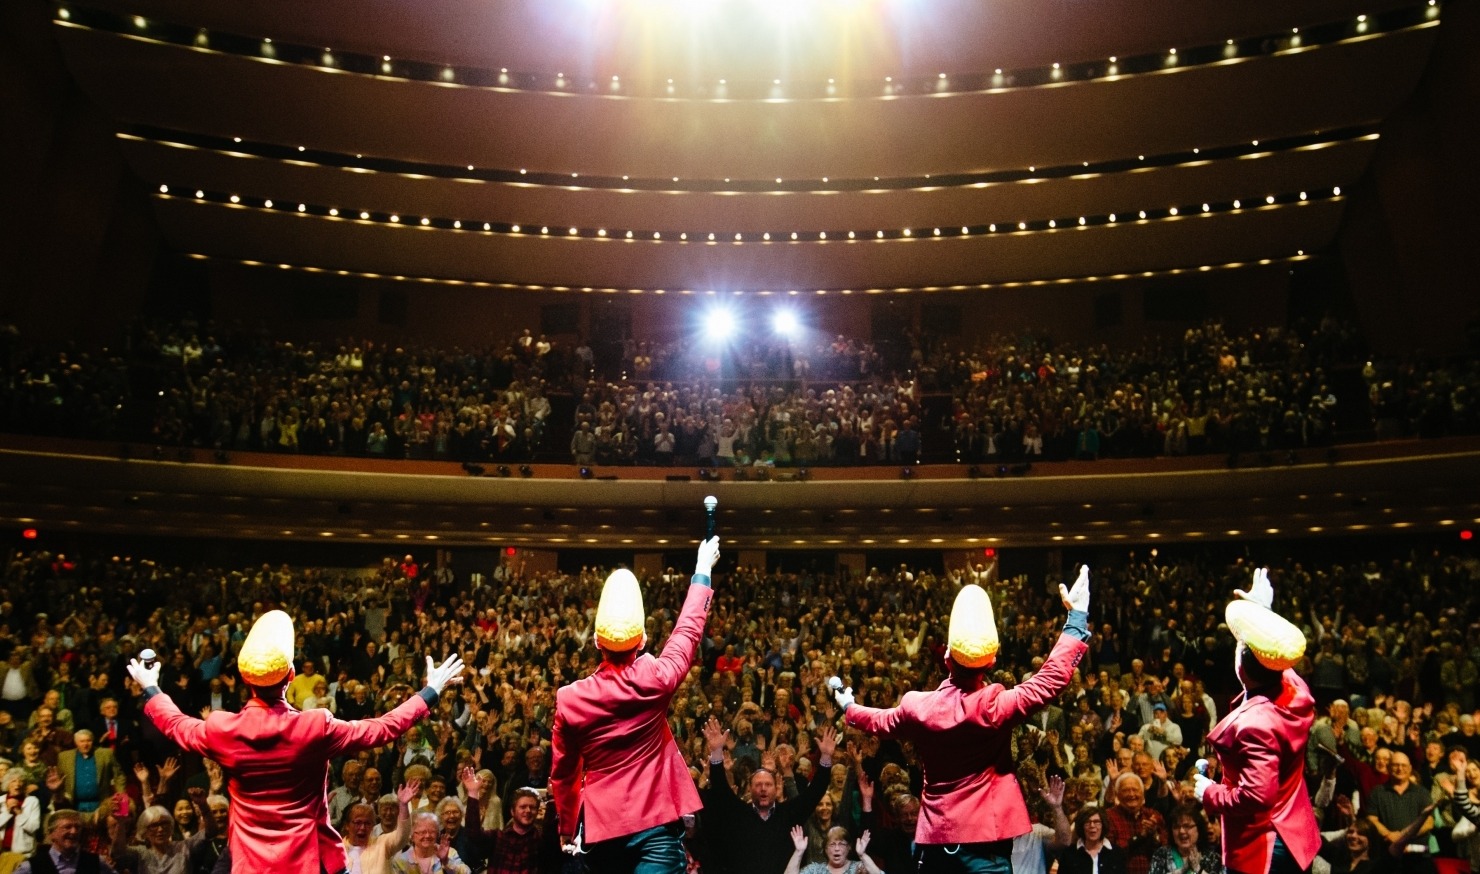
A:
<point x="711" y="503"/>
<point x="834" y="683"/>
<point x="148" y="659"/>
<point x="1332" y="753"/>
<point x="1202" y="767"/>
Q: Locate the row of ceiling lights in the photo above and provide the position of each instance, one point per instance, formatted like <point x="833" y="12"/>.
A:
<point x="589" y="289"/>
<point x="1197" y="156"/>
<point x="738" y="238"/>
<point x="773" y="89"/>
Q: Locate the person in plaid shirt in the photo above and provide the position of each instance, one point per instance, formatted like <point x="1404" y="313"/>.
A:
<point x="1132" y="826"/>
<point x="517" y="848"/>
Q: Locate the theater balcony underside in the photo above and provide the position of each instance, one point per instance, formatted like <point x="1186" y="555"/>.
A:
<point x="1369" y="489"/>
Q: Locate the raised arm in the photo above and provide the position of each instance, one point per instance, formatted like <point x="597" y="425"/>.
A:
<point x="365" y="734"/>
<point x="187" y="732"/>
<point x="1016" y="703"/>
<point x="1053" y="793"/>
<point x="683" y="643"/>
<point x="799" y="850"/>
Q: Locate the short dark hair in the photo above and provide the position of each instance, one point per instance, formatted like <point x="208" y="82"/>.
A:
<point x="1260" y="675"/>
<point x="1191" y="810"/>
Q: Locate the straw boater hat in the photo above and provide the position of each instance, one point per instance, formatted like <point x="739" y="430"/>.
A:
<point x="973" y="632"/>
<point x="620" y="619"/>
<point x="1272" y="638"/>
<point x="266" y="655"/>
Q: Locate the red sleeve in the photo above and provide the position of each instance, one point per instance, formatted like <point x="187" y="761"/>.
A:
<point x="565" y="770"/>
<point x="366" y="734"/>
<point x="1016" y="703"/>
<point x="882" y="722"/>
<point x="187" y="732"/>
<point x="683" y="643"/>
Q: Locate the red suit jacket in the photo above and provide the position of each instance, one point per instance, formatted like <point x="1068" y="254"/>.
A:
<point x="1261" y="746"/>
<point x="277" y="762"/>
<point x="612" y="751"/>
<point x="965" y="744"/>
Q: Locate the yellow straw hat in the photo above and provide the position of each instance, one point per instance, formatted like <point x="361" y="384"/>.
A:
<point x="266" y="656"/>
<point x="973" y="632"/>
<point x="620" y="619"/>
<point x="1272" y="638"/>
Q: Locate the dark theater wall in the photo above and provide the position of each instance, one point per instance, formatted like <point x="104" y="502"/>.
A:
<point x="1409" y="235"/>
<point x="79" y="240"/>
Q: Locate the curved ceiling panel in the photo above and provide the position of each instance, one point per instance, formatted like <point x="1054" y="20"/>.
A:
<point x="188" y="167"/>
<point x="1293" y="93"/>
<point x="286" y="237"/>
<point x="668" y="40"/>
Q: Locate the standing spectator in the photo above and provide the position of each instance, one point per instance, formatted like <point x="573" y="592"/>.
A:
<point x="88" y="775"/>
<point x="365" y="854"/>
<point x="161" y="853"/>
<point x="1192" y="850"/>
<point x="18" y="684"/>
<point x="64" y="851"/>
<point x="1393" y="806"/>
<point x="1133" y="827"/>
<point x="757" y="836"/>
<point x="206" y="853"/>
<point x="518" y="847"/>
<point x="1161" y="732"/>
<point x="347" y="792"/>
<point x="20" y="819"/>
<point x="838" y="847"/>
<point x="1335" y="731"/>
<point x="1092" y="853"/>
<point x="429" y="851"/>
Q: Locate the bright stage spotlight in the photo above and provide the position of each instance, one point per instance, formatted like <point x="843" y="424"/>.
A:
<point x="719" y="324"/>
<point x="785" y="323"/>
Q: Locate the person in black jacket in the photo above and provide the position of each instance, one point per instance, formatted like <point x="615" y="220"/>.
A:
<point x="756" y="836"/>
<point x="1091" y="852"/>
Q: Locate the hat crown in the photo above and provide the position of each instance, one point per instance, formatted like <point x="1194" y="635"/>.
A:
<point x="620" y="617"/>
<point x="1275" y="641"/>
<point x="972" y="636"/>
<point x="266" y="655"/>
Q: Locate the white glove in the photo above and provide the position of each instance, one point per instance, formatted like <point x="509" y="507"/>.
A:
<point x="708" y="556"/>
<point x="1200" y="785"/>
<point x="1077" y="598"/>
<point x="844" y="696"/>
<point x="1261" y="592"/>
<point x="576" y="847"/>
<point x="439" y="676"/>
<point x="145" y="677"/>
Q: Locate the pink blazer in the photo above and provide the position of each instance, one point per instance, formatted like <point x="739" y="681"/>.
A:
<point x="1261" y="746"/>
<point x="965" y="744"/>
<point x="276" y="760"/>
<point x="613" y="754"/>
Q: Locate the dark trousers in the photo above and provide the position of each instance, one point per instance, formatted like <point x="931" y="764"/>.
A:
<point x="991" y="857"/>
<point x="658" y="850"/>
<point x="1280" y="860"/>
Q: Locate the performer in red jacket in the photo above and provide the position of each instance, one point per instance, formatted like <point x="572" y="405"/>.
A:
<point x="1268" y="823"/>
<point x="276" y="758"/>
<point x="971" y="807"/>
<point x="619" y="782"/>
